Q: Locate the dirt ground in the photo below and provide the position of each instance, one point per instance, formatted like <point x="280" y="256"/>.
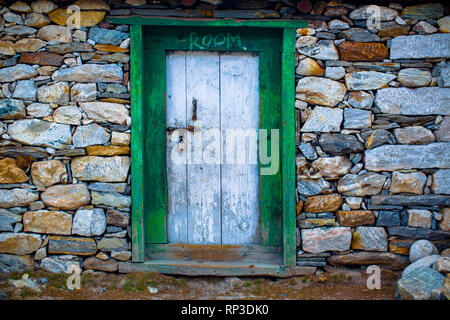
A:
<point x="338" y="284"/>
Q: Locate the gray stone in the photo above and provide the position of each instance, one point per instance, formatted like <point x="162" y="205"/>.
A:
<point x="7" y="219"/>
<point x="71" y="245"/>
<point x="421" y="249"/>
<point x="106" y="36"/>
<point x="388" y="219"/>
<point x="443" y="133"/>
<point x="311" y="187"/>
<point x="369" y="183"/>
<point x="360" y="99"/>
<point x="335" y="73"/>
<point x="358" y="35"/>
<point x="54" y="93"/>
<point x="111" y="199"/>
<point x="103" y="112"/>
<point x="367" y="12"/>
<point x="108" y="187"/>
<point x="39" y="110"/>
<point x="322" y="50"/>
<point x="418" y="233"/>
<point x="326" y="239"/>
<point x="376" y="138"/>
<point x="441" y="182"/>
<point x="83" y="92"/>
<point x="423" y="11"/>
<point x="308" y="151"/>
<point x="89" y="222"/>
<point x="12" y="109"/>
<point x="413" y="77"/>
<point x="420" y="284"/>
<point x="121" y="255"/>
<point x="322" y="91"/>
<point x="426" y="261"/>
<point x="14" y="263"/>
<point x="370" y="239"/>
<point x="413" y="135"/>
<point x="367" y="80"/>
<point x="420" y="101"/>
<point x="16" y="197"/>
<point x="340" y="144"/>
<point x="93" y="168"/>
<point x="444" y="76"/>
<point x="89" y="135"/>
<point x="55" y="265"/>
<point x="40" y="133"/>
<point x="17" y="72"/>
<point x="397" y="157"/>
<point x="89" y="73"/>
<point x="19" y="30"/>
<point x="94" y="263"/>
<point x="26" y="90"/>
<point x="112" y="244"/>
<point x="67" y="115"/>
<point x="357" y="118"/>
<point x="323" y="119"/>
<point x="421" y="46"/>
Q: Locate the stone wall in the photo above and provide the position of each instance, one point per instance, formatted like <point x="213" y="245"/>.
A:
<point x="372" y="110"/>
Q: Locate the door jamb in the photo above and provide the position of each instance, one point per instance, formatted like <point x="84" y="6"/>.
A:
<point x="287" y="118"/>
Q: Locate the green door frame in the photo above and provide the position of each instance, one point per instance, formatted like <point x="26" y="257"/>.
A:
<point x="287" y="125"/>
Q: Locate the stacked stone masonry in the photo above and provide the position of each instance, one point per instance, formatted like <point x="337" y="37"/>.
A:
<point x="372" y="130"/>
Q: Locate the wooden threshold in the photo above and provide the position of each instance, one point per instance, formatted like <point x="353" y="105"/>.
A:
<point x="215" y="268"/>
<point x="204" y="253"/>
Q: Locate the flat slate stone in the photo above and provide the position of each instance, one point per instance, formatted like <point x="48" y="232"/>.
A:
<point x="363" y="258"/>
<point x="417" y="233"/>
<point x="420" y="101"/>
<point x="71" y="245"/>
<point x="396" y="157"/>
<point x="421" y="46"/>
<point x="340" y="144"/>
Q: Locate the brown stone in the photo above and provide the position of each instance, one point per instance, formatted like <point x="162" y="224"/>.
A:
<point x="408" y="182"/>
<point x="109" y="48"/>
<point x="324" y="203"/>
<point x="445" y="222"/>
<point x="66" y="197"/>
<point x="36" y="20"/>
<point x="29" y="45"/>
<point x="43" y="221"/>
<point x="391" y="29"/>
<point x="333" y="167"/>
<point x="400" y="246"/>
<point x="383" y="259"/>
<point x="107" y="150"/>
<point x="309" y="67"/>
<point x="7" y="48"/>
<point x="363" y="51"/>
<point x="19" y="243"/>
<point x="101" y="265"/>
<point x="92" y="5"/>
<point x="80" y="246"/>
<point x="48" y="173"/>
<point x="87" y="18"/>
<point x="10" y="172"/>
<point x="42" y="59"/>
<point x="117" y="218"/>
<point x="355" y="218"/>
<point x="114" y="100"/>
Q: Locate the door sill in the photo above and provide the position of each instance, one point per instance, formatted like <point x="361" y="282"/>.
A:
<point x="215" y="268"/>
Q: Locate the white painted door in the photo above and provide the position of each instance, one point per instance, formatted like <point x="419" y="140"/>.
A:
<point x="212" y="172"/>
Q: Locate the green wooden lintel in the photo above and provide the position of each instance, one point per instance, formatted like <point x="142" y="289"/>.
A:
<point x="191" y="22"/>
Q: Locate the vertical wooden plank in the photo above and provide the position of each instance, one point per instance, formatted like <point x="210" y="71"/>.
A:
<point x="288" y="145"/>
<point x="270" y="113"/>
<point x="155" y="145"/>
<point x="177" y="209"/>
<point x="202" y="78"/>
<point x="239" y="116"/>
<point x="137" y="191"/>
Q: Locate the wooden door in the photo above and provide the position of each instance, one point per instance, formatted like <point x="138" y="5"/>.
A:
<point x="212" y="120"/>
